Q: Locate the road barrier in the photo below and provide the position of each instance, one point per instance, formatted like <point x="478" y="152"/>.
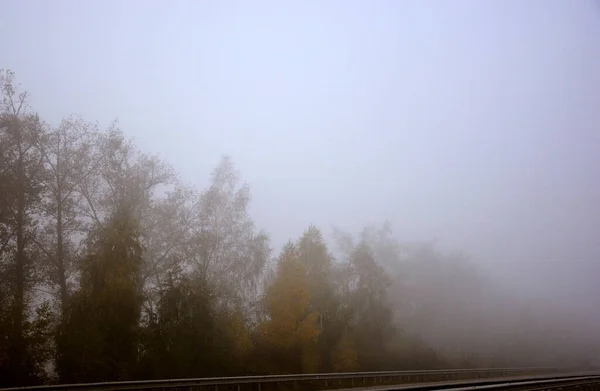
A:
<point x="424" y="379"/>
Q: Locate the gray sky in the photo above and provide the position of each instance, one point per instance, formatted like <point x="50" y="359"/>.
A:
<point x="475" y="122"/>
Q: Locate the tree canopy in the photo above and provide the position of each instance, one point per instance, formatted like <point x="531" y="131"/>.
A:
<point x="112" y="269"/>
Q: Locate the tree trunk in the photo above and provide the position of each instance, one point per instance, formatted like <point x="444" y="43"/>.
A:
<point x="18" y="344"/>
<point x="60" y="256"/>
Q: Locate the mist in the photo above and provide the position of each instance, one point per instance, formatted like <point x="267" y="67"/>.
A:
<point x="471" y="127"/>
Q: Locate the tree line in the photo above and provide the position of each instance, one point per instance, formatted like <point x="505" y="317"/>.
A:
<point x="112" y="269"/>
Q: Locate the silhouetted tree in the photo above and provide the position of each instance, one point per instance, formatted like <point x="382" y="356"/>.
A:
<point x="99" y="337"/>
<point x="21" y="176"/>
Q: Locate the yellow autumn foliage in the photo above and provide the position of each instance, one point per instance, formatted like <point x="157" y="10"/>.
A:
<point x="344" y="357"/>
<point x="291" y="323"/>
<point x="239" y="334"/>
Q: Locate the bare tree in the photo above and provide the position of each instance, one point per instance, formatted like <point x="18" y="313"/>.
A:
<point x="66" y="151"/>
<point x="22" y="174"/>
<point x="225" y="248"/>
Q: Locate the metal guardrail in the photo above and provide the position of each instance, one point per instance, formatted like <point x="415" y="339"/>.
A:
<point x="314" y="381"/>
<point x="577" y="382"/>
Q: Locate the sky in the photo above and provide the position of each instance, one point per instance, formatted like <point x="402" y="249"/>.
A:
<point x="476" y="123"/>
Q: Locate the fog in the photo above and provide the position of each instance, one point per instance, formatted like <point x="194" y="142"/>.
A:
<point x="472" y="124"/>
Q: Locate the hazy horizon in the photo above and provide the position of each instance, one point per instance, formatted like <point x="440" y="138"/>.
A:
<point x="474" y="123"/>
